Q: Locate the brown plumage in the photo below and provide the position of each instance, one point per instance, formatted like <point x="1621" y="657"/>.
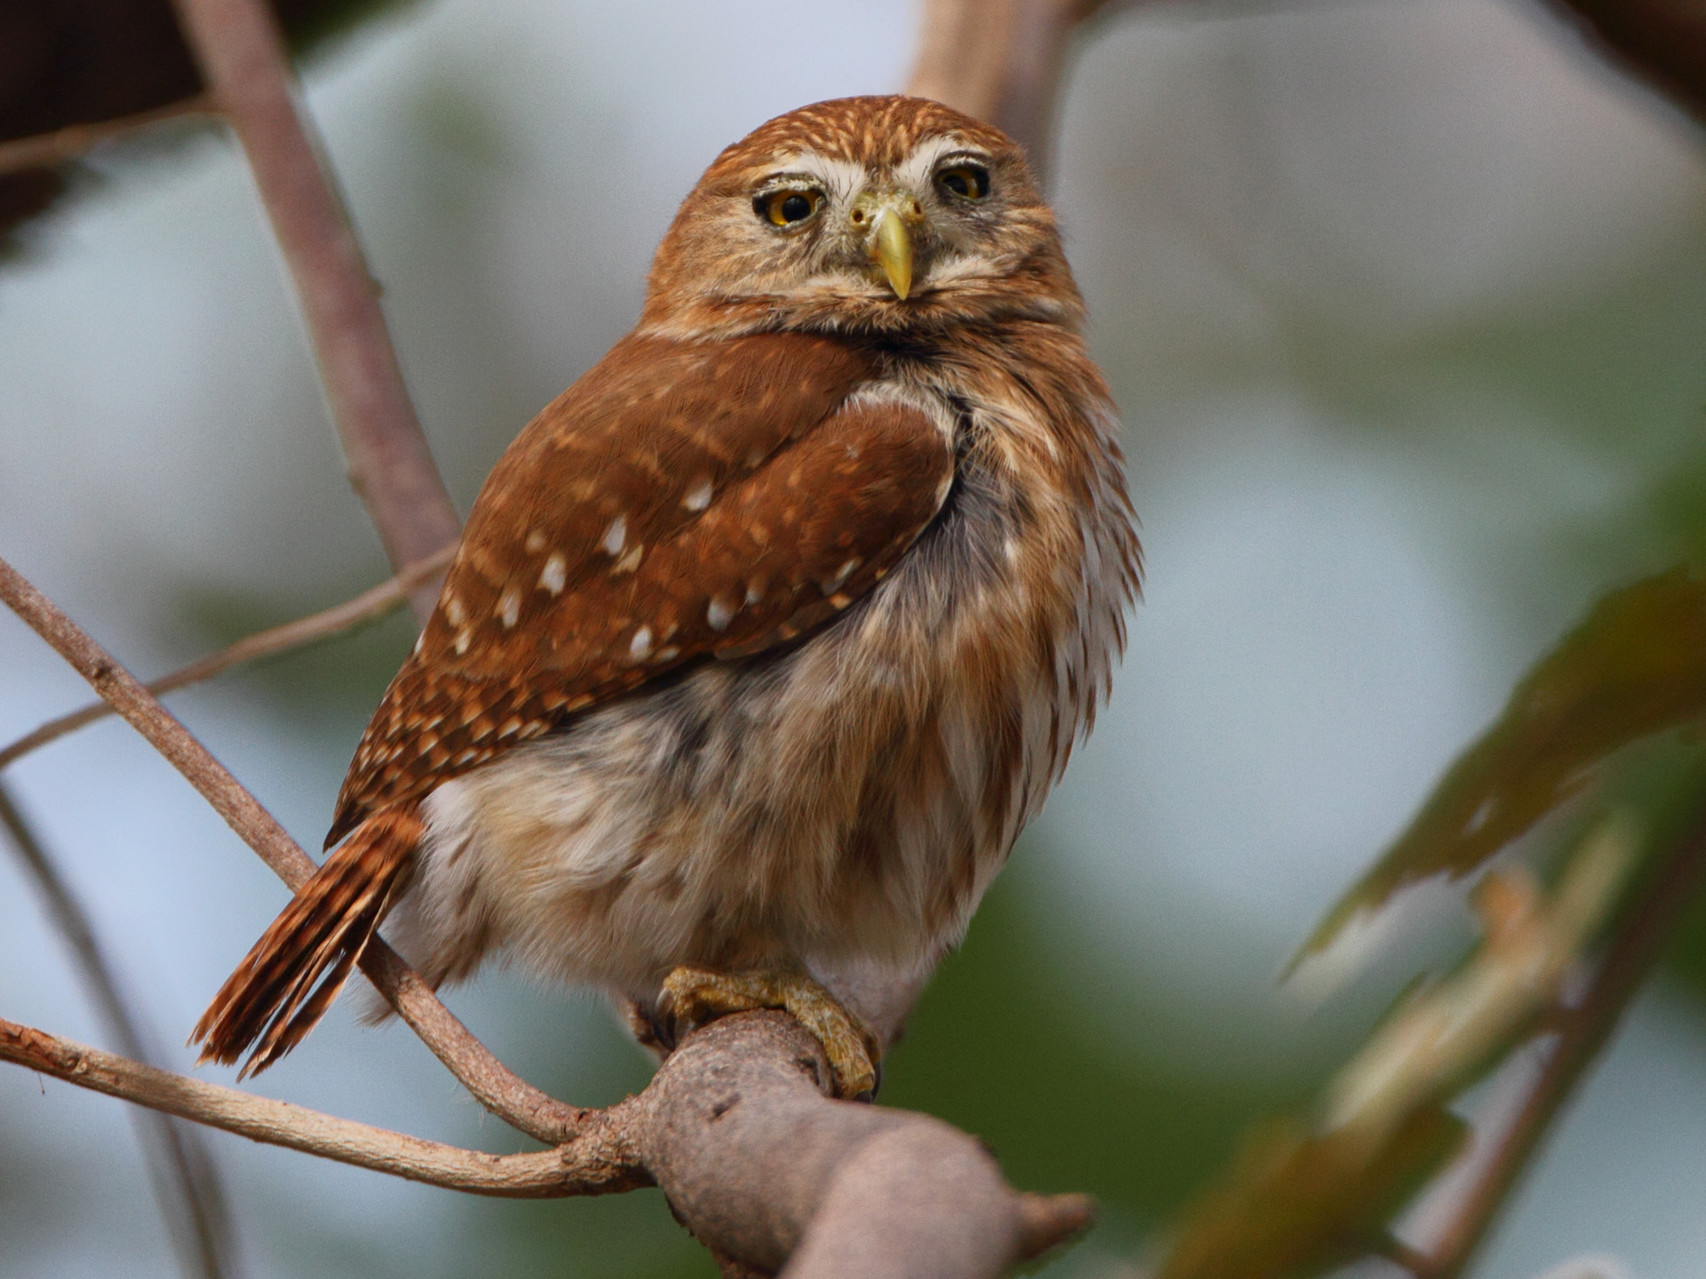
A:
<point x="768" y="635"/>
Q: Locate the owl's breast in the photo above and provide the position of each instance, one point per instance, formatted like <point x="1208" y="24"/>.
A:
<point x="842" y="802"/>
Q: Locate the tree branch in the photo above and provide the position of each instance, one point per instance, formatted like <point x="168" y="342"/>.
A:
<point x="596" y="1162"/>
<point x="241" y="53"/>
<point x="1001" y="61"/>
<point x="186" y="1179"/>
<point x="44" y="150"/>
<point x="369" y="606"/>
<point x="497" y="1088"/>
<point x="1662" y="41"/>
<point x="756" y="1160"/>
<point x="763" y="1167"/>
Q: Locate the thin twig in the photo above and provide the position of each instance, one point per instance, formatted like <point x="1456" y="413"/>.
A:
<point x="185" y="1178"/>
<point x="496" y="1087"/>
<point x="241" y="53"/>
<point x="43" y="150"/>
<point x="1584" y="1030"/>
<point x="369" y="606"/>
<point x="598" y="1162"/>
<point x="143" y="711"/>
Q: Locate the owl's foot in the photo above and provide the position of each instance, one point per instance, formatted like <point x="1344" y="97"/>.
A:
<point x="694" y="996"/>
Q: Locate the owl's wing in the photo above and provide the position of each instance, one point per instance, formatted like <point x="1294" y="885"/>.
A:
<point x="682" y="501"/>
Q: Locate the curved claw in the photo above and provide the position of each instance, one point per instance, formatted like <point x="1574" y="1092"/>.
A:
<point x="693" y="996"/>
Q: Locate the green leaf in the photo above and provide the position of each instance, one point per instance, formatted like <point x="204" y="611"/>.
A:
<point x="1634" y="667"/>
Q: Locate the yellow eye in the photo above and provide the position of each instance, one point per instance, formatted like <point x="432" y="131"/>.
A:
<point x="968" y="181"/>
<point x="788" y="207"/>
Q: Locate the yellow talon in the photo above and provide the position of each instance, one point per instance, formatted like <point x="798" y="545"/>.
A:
<point x="695" y="996"/>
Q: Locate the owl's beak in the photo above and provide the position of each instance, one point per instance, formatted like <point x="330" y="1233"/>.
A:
<point x="892" y="247"/>
<point x="886" y="221"/>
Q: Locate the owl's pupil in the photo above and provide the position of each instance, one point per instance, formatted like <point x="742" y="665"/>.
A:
<point x="796" y="207"/>
<point x="967" y="181"/>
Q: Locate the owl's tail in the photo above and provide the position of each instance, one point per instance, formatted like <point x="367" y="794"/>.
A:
<point x="288" y="980"/>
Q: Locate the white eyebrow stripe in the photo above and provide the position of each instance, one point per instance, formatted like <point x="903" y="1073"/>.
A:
<point x="842" y="179"/>
<point x="914" y="171"/>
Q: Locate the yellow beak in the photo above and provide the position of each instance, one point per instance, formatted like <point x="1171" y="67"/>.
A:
<point x="891" y="245"/>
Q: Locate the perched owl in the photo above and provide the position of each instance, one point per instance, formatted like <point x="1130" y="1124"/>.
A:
<point x="766" y="638"/>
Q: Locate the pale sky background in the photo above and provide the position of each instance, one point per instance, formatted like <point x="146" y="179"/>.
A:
<point x="1351" y="553"/>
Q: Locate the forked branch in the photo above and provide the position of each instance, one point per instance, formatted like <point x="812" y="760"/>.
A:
<point x="735" y="1127"/>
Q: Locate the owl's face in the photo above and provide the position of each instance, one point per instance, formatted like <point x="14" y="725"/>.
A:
<point x="877" y="214"/>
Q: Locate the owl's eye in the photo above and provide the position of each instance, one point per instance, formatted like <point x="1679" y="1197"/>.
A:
<point x="968" y="181"/>
<point x="787" y="207"/>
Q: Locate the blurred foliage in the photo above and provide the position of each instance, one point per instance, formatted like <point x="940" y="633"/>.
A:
<point x="1635" y="666"/>
<point x="1295" y="1202"/>
<point x="1303" y="1198"/>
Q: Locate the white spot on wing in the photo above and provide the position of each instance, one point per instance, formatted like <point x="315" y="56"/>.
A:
<point x="509" y="608"/>
<point x="834" y="584"/>
<point x="464" y="638"/>
<point x="641" y="645"/>
<point x="554" y="574"/>
<point x="616" y="536"/>
<point x="698" y="497"/>
<point x="629" y="562"/>
<point x="719" y="613"/>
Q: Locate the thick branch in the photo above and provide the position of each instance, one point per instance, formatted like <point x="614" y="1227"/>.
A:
<point x="242" y="58"/>
<point x="596" y="1162"/>
<point x="498" y="1088"/>
<point x="762" y="1167"/>
<point x="369" y="606"/>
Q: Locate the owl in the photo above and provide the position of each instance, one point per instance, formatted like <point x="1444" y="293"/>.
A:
<point x="766" y="638"/>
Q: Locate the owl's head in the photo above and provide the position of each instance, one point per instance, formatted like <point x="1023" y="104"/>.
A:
<point x="862" y="215"/>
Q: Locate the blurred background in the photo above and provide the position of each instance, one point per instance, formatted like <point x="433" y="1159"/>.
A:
<point x="1404" y="308"/>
